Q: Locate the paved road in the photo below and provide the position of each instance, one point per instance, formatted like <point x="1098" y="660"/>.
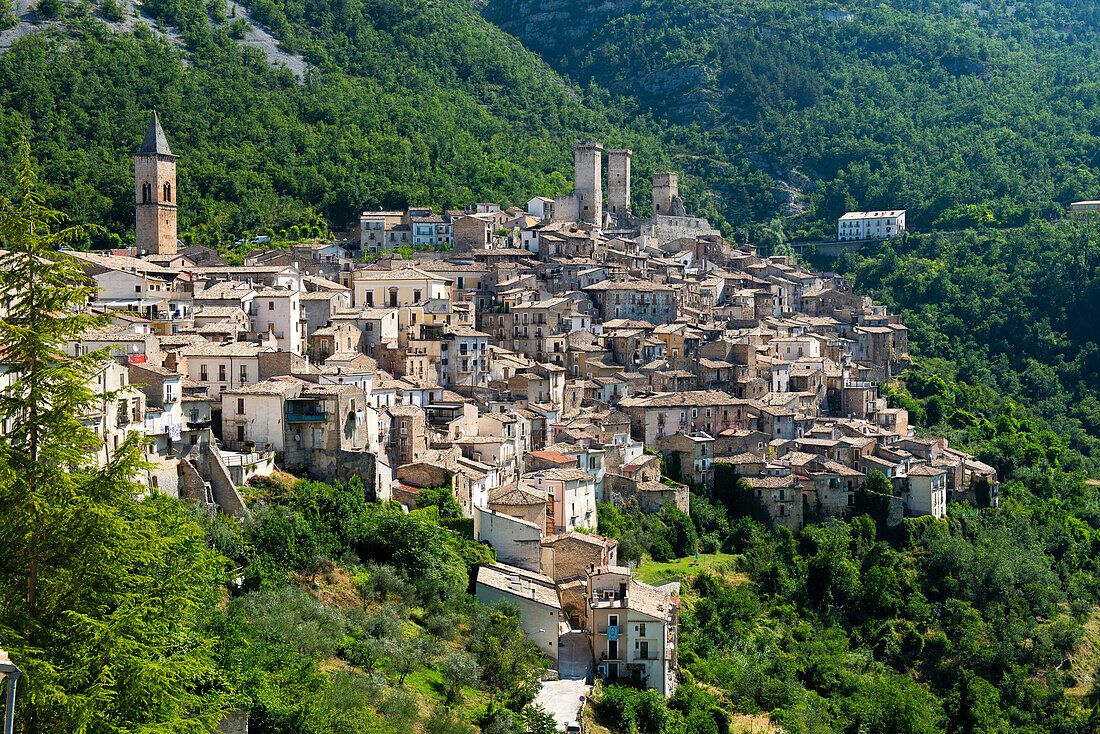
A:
<point x="574" y="656"/>
<point x="562" y="697"/>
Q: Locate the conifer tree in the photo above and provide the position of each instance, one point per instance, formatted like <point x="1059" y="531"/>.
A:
<point x="101" y="590"/>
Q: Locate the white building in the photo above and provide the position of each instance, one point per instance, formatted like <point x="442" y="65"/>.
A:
<point x="223" y="366"/>
<point x="633" y="629"/>
<point x="871" y="225"/>
<point x="541" y="207"/>
<point x="927" y="493"/>
<point x="571" y="495"/>
<point x="464" y="357"/>
<point x="279" y="311"/>
<point x="534" y="594"/>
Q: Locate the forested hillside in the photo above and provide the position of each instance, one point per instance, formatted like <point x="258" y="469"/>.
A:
<point x="926" y="105"/>
<point x="403" y="103"/>
<point x="1013" y="313"/>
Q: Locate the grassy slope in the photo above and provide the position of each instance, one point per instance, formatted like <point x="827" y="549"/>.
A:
<point x="684" y="569"/>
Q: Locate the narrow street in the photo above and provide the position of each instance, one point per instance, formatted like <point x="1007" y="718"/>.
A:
<point x="562" y="697"/>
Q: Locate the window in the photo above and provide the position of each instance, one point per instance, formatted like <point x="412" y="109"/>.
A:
<point x="641" y="629"/>
<point x="146" y="192"/>
<point x="168" y="192"/>
<point x="221" y="373"/>
<point x="244" y="374"/>
<point x="643" y="650"/>
<point x="240" y="406"/>
<point x="271" y="305"/>
<point x="202" y="373"/>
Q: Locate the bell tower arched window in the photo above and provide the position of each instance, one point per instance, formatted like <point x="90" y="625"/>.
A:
<point x="168" y="192"/>
<point x="146" y="192"/>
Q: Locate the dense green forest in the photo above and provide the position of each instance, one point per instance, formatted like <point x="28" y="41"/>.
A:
<point x="1010" y="315"/>
<point x="403" y="103"/>
<point x="961" y="113"/>
<point x="926" y="105"/>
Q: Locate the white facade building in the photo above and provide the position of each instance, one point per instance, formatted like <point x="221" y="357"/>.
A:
<point x="535" y="595"/>
<point x="279" y="311"/>
<point x="927" y="493"/>
<point x="871" y="225"/>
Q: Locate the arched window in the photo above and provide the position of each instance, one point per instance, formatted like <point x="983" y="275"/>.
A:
<point x="167" y="192"/>
<point x="146" y="192"/>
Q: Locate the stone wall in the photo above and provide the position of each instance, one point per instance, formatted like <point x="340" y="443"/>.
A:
<point x="568" y="555"/>
<point x="274" y="364"/>
<point x="191" y="484"/>
<point x="164" y="477"/>
<point x="235" y="722"/>
<point x="424" y="475"/>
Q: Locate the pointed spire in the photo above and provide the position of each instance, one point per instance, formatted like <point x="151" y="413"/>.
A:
<point x="155" y="143"/>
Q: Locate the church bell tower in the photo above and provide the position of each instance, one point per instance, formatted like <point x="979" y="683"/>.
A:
<point x="155" y="193"/>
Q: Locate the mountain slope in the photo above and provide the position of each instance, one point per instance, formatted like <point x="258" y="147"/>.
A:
<point x="402" y="103"/>
<point x="912" y="103"/>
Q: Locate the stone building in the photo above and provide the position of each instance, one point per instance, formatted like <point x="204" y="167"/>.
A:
<point x="585" y="204"/>
<point x="618" y="184"/>
<point x="408" y="433"/>
<point x="155" y="193"/>
<point x="635" y="299"/>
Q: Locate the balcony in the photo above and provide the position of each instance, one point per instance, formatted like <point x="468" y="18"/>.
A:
<point x="305" y="411"/>
<point x="312" y="416"/>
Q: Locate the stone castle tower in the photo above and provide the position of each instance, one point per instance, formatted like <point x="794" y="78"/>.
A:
<point x="588" y="182"/>
<point x="618" y="182"/>
<point x="666" y="195"/>
<point x="155" y="193"/>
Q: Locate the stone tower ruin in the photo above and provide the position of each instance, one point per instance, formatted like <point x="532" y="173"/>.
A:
<point x="588" y="182"/>
<point x="618" y="182"/>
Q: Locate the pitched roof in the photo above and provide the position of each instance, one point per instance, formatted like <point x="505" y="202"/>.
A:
<point x="514" y="495"/>
<point x="231" y="349"/>
<point x="518" y="582"/>
<point x="924" y="470"/>
<point x="555" y="457"/>
<point x="155" y="143"/>
<point x="560" y="475"/>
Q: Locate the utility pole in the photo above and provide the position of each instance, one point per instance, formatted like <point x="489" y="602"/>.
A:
<point x="9" y="671"/>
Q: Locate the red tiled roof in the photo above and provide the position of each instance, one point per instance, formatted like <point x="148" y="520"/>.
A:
<point x="555" y="456"/>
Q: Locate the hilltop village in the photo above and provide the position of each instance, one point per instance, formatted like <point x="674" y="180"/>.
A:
<point x="535" y="362"/>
